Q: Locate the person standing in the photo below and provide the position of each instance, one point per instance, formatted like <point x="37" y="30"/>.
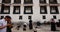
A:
<point x="30" y="24"/>
<point x="3" y="24"/>
<point x="9" y="22"/>
<point x="53" y="26"/>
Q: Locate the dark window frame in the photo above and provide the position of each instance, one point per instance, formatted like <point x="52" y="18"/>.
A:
<point x="54" y="2"/>
<point x="44" y="17"/>
<point x="20" y="17"/>
<point x="1" y="17"/>
<point x="3" y="1"/>
<point x="56" y="8"/>
<point x="54" y="16"/>
<point x="43" y="2"/>
<point x="28" y="7"/>
<point x="17" y="2"/>
<point x="45" y="8"/>
<point x="14" y="11"/>
<point x="28" y="2"/>
<point x="29" y="17"/>
<point x="3" y="8"/>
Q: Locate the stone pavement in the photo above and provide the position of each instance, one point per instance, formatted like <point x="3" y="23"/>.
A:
<point x="43" y="28"/>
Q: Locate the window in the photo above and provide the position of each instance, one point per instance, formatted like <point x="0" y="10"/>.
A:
<point x="43" y="10"/>
<point x="28" y="10"/>
<point x="16" y="10"/>
<point x="5" y="9"/>
<point x="54" y="17"/>
<point x="44" y="17"/>
<point x="42" y="1"/>
<point x="6" y="1"/>
<point x="59" y="20"/>
<point x="53" y="1"/>
<point x="28" y="1"/>
<point x="20" y="17"/>
<point x="29" y="17"/>
<point x="54" y="10"/>
<point x="17" y="1"/>
<point x="1" y="17"/>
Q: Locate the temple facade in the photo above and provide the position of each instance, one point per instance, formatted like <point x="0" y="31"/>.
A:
<point x="37" y="10"/>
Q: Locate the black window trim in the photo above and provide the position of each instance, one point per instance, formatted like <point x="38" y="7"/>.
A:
<point x="54" y="16"/>
<point x="2" y="9"/>
<point x="28" y="2"/>
<point x="44" y="17"/>
<point x="56" y="7"/>
<point x="1" y="17"/>
<point x="3" y="1"/>
<point x="29" y="17"/>
<point x="20" y="17"/>
<point x="25" y="10"/>
<point x="42" y="2"/>
<point x="17" y="2"/>
<point x="14" y="10"/>
<point x="44" y="9"/>
<point x="53" y="2"/>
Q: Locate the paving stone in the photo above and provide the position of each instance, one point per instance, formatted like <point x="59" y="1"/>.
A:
<point x="41" y="29"/>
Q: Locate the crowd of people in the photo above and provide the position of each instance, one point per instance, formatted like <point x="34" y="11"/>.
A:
<point x="6" y="25"/>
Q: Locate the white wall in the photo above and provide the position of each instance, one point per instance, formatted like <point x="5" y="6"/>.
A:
<point x="36" y="16"/>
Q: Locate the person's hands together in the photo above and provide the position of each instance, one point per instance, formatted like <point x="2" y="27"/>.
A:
<point x="8" y="24"/>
